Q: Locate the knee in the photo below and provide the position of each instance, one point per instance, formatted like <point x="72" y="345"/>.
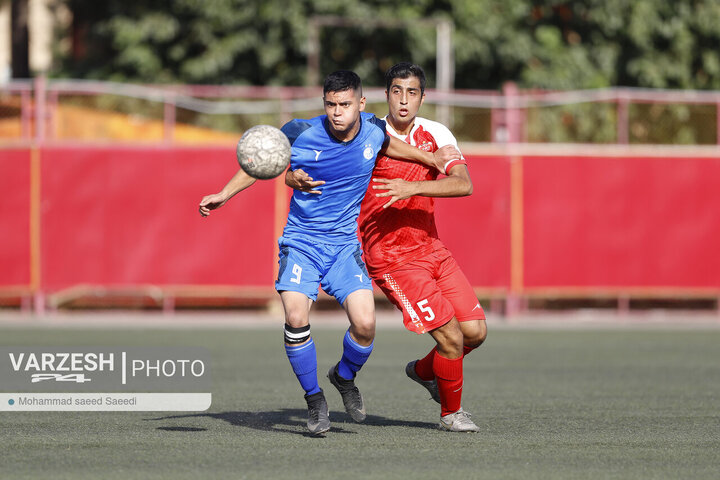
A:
<point x="476" y="336"/>
<point x="363" y="330"/>
<point x="296" y="318"/>
<point x="360" y="309"/>
<point x="450" y="341"/>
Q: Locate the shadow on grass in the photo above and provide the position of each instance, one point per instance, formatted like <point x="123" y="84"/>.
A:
<point x="287" y="420"/>
<point x="182" y="429"/>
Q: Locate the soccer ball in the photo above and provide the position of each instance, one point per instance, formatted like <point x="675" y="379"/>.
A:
<point x="263" y="152"/>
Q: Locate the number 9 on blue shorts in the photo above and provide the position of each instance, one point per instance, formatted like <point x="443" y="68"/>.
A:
<point x="337" y="269"/>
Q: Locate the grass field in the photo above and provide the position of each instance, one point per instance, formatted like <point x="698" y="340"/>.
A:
<point x="551" y="404"/>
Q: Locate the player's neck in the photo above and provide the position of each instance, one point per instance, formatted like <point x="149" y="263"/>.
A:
<point x="347" y="135"/>
<point x="403" y="127"/>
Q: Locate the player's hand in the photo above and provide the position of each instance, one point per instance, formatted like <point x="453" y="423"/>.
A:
<point x="299" y="180"/>
<point x="211" y="202"/>
<point x="444" y="155"/>
<point x="395" y="188"/>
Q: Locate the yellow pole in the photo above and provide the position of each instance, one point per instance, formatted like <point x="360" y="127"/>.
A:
<point x="35" y="214"/>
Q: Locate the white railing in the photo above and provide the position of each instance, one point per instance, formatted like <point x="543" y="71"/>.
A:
<point x="507" y="108"/>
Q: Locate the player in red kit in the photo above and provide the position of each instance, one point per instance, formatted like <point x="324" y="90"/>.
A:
<point x="406" y="258"/>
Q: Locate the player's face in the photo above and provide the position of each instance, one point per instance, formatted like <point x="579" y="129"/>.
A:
<point x="404" y="100"/>
<point x="343" y="112"/>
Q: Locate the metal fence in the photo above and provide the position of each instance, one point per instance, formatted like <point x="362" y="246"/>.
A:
<point x="55" y="110"/>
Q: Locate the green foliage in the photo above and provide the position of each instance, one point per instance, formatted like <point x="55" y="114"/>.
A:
<point x="192" y="41"/>
<point x="588" y="43"/>
<point x="550" y="44"/>
<point x="586" y="123"/>
<point x="672" y="124"/>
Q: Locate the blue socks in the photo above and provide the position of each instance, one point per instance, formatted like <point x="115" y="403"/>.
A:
<point x="303" y="360"/>
<point x="353" y="358"/>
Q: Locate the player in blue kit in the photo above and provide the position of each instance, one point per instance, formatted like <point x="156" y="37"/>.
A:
<point x="319" y="246"/>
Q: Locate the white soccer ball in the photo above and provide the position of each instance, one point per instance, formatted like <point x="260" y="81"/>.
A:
<point x="263" y="152"/>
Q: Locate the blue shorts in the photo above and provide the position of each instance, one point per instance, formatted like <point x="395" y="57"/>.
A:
<point x="305" y="265"/>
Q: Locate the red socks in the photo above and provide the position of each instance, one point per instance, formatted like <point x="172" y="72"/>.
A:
<point x="449" y="375"/>
<point x="424" y="366"/>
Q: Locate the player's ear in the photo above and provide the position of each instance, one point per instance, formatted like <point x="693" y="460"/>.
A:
<point x="422" y="99"/>
<point x="362" y="104"/>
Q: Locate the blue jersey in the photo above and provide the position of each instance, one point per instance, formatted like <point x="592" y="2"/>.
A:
<point x="346" y="167"/>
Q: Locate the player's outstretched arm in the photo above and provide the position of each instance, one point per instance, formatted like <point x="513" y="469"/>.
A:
<point x="239" y="182"/>
<point x="396" y="148"/>
<point x="299" y="180"/>
<point x="456" y="184"/>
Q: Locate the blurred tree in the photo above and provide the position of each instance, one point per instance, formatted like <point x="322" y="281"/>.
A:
<point x="193" y="41"/>
<point x="589" y="43"/>
<point x="237" y="41"/>
<point x="548" y="44"/>
<point x="20" y="39"/>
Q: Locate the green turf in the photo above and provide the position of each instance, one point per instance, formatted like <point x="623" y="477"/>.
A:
<point x="551" y="405"/>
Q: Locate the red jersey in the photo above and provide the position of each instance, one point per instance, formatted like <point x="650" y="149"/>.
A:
<point x="406" y="229"/>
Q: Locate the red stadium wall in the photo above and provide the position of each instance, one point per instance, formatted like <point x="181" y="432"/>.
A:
<point x="118" y="217"/>
<point x="535" y="224"/>
<point x="477" y="228"/>
<point x="15" y="185"/>
<point x="599" y="222"/>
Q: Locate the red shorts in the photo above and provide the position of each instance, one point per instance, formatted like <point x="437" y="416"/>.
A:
<point x="430" y="292"/>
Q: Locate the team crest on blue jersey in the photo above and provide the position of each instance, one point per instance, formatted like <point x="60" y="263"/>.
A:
<point x="368" y="153"/>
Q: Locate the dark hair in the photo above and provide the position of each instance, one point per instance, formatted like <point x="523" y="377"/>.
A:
<point x="405" y="70"/>
<point x="342" y="80"/>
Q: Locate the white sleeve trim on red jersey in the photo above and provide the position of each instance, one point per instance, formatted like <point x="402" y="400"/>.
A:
<point x="452" y="163"/>
<point x="440" y="133"/>
<point x="443" y="136"/>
